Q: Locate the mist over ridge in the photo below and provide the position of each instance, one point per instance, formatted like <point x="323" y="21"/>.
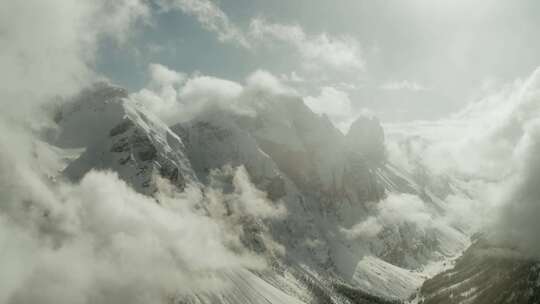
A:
<point x="278" y="181"/>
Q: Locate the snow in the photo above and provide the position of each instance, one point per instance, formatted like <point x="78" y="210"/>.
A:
<point x="378" y="277"/>
<point x="141" y="145"/>
<point x="324" y="185"/>
<point x="243" y="287"/>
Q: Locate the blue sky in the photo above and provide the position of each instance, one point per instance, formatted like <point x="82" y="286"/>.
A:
<point x="402" y="60"/>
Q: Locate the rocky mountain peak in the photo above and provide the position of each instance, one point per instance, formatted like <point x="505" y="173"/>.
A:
<point x="119" y="136"/>
<point x="326" y="181"/>
<point x="366" y="136"/>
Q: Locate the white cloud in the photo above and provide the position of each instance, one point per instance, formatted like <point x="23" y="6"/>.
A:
<point x="161" y="75"/>
<point x="161" y="94"/>
<point x="245" y="200"/>
<point x="118" y="17"/>
<point x="341" y="53"/>
<point x="165" y="82"/>
<point x="520" y="130"/>
<point x="201" y="91"/>
<point x="210" y="16"/>
<point x="251" y="200"/>
<point x="203" y="88"/>
<point x="49" y="53"/>
<point x="101" y="240"/>
<point x="399" y="208"/>
<point x="490" y="149"/>
<point x="97" y="240"/>
<point x="175" y="98"/>
<point x="368" y="228"/>
<point x="265" y="81"/>
<point x="322" y="50"/>
<point x="332" y="102"/>
<point x="395" y="210"/>
<point x="292" y="77"/>
<point x="403" y="85"/>
<point x="347" y="86"/>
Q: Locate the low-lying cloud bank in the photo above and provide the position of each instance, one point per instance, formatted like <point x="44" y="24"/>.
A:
<point x="491" y="150"/>
<point x="98" y="241"/>
<point x="400" y="209"/>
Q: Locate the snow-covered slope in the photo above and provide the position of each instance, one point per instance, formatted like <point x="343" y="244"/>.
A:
<point x="384" y="279"/>
<point x="326" y="180"/>
<point x="328" y="183"/>
<point x="119" y="136"/>
<point x="243" y="287"/>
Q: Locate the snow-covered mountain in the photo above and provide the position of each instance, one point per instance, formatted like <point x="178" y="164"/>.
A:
<point x="342" y="238"/>
<point x="119" y="136"/>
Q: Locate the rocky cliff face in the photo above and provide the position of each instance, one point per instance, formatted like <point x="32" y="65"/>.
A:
<point x="366" y="136"/>
<point x="121" y="137"/>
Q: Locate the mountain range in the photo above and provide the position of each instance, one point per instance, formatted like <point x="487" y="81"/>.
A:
<point x="333" y="219"/>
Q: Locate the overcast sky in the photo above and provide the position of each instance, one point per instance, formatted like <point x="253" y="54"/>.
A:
<point x="403" y="60"/>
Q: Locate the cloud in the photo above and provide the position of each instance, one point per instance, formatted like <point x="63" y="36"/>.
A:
<point x="264" y="81"/>
<point x="490" y="150"/>
<point x="50" y="53"/>
<point x="161" y="75"/>
<point x="332" y="102"/>
<point x="399" y="208"/>
<point x="251" y="200"/>
<point x="368" y="228"/>
<point x="317" y="51"/>
<point x="161" y="94"/>
<point x="97" y="240"/>
<point x="342" y="53"/>
<point x="210" y="16"/>
<point x="118" y="17"/>
<point x="404" y="85"/>
<point x="348" y="86"/>
<point x="174" y="98"/>
<point x="203" y="88"/>
<point x="244" y="201"/>
<point x="292" y="77"/>
<point x="100" y="240"/>
<point x="517" y="222"/>
<point x="395" y="210"/>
